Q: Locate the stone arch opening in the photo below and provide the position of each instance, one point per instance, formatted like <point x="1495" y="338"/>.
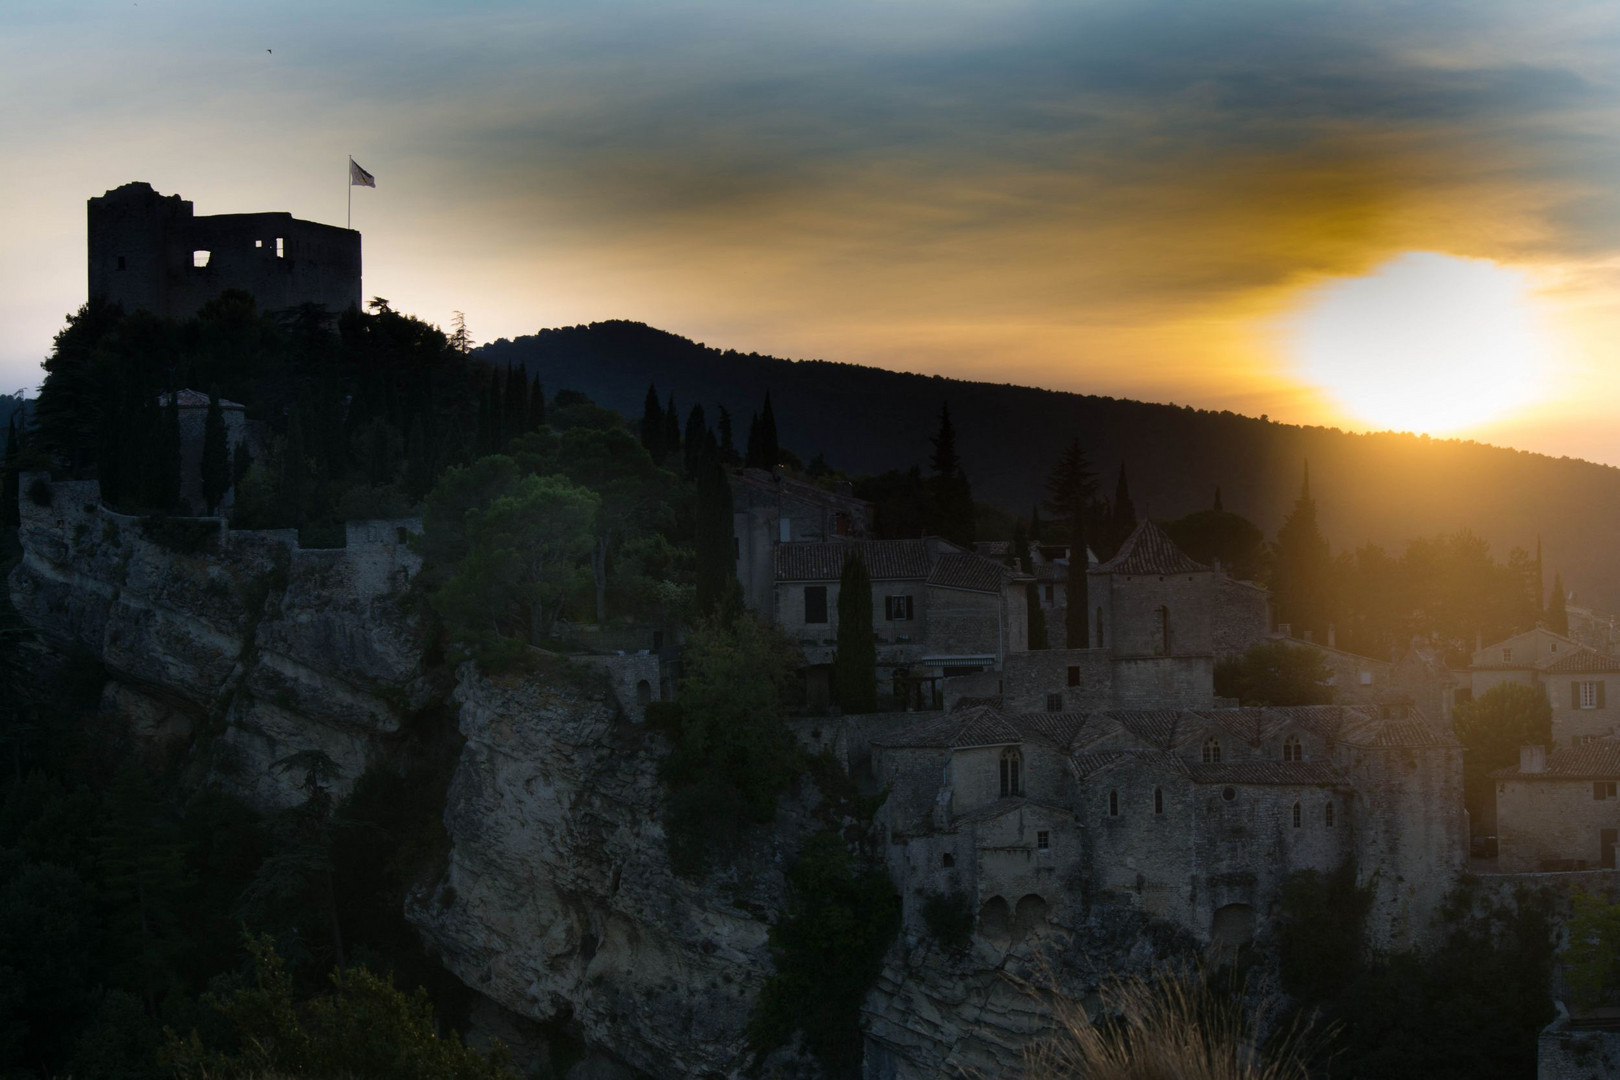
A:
<point x="1029" y="915"/>
<point x="995" y="919"/>
<point x="1232" y="927"/>
<point x="643" y="693"/>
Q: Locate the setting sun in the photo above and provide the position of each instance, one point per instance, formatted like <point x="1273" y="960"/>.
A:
<point x="1425" y="343"/>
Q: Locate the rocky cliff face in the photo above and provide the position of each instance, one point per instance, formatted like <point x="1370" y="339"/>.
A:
<point x="275" y="648"/>
<point x="558" y="900"/>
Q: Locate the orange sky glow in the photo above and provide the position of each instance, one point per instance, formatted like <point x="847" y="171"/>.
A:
<point x="1132" y="199"/>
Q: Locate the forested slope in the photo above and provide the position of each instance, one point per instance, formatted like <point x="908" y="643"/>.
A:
<point x="1382" y="488"/>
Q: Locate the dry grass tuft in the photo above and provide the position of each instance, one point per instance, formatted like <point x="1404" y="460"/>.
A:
<point x="1175" y="1027"/>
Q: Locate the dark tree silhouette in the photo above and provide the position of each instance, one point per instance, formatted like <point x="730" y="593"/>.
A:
<point x="652" y="424"/>
<point x="216" y="463"/>
<point x="854" y="672"/>
<point x="950" y="496"/>
<point x="1557" y="612"/>
<point x="1070" y="488"/>
<point x="715" y="548"/>
<point x="1303" y="567"/>
<point x="696" y="441"/>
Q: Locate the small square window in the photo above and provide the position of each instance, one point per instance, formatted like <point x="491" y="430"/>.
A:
<point x="1054" y="702"/>
<point x="947" y="860"/>
<point x="1074" y="676"/>
<point x="1043" y="840"/>
<point x="1366" y="678"/>
<point x="199" y="259"/>
<point x="1507" y="656"/>
<point x="898" y="608"/>
<point x="258" y="243"/>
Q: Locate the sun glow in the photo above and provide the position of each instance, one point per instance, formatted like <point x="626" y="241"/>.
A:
<point x="1425" y="343"/>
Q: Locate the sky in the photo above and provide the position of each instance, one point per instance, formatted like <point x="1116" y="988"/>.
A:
<point x="1306" y="210"/>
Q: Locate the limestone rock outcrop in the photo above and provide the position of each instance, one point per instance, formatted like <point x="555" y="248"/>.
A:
<point x="275" y="647"/>
<point x="558" y="901"/>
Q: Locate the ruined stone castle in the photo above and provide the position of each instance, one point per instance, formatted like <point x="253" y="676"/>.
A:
<point x="152" y="252"/>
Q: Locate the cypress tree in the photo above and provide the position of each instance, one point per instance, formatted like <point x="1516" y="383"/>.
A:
<point x="516" y="402"/>
<point x="1557" y="612"/>
<point x="216" y="463"/>
<point x="168" y="470"/>
<point x="537" y="405"/>
<point x="241" y="462"/>
<point x="1035" y="533"/>
<point x="770" y="449"/>
<point x="652" y="425"/>
<point x="697" y="434"/>
<point x="1018" y="555"/>
<point x="1069" y="491"/>
<point x="728" y="446"/>
<point x="9" y="516"/>
<point x="294" y="491"/>
<point x="950" y="496"/>
<point x="1301" y="576"/>
<point x="755" y="458"/>
<point x="713" y="543"/>
<point x="854" y="668"/>
<point x="1036" y="617"/>
<point x="1122" y="519"/>
<point x="672" y="428"/>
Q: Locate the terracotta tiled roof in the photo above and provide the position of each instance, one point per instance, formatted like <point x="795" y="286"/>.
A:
<point x="1057" y="728"/>
<point x="980" y="726"/>
<point x="1597" y="760"/>
<point x="1088" y="765"/>
<point x="955" y="570"/>
<point x="1001" y="807"/>
<point x="886" y="560"/>
<point x="1155" y="727"/>
<point x="1266" y="772"/>
<point x="1580" y="662"/>
<point x="1149" y="551"/>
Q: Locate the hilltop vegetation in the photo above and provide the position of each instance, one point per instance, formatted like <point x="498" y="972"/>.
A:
<point x="1380" y="488"/>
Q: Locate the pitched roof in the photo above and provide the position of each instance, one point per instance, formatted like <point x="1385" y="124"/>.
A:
<point x="1580" y="662"/>
<point x="824" y="560"/>
<point x="1002" y="807"/>
<point x="978" y="726"/>
<point x="1317" y="773"/>
<point x="1597" y="760"/>
<point x="1149" y="550"/>
<point x="959" y="570"/>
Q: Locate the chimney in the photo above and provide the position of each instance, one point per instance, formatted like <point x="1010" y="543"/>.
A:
<point x="1533" y="759"/>
<point x="1331" y="637"/>
<point x="1285" y="629"/>
<point x="1310" y="636"/>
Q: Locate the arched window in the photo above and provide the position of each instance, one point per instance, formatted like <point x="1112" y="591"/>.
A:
<point x="1113" y="804"/>
<point x="1293" y="749"/>
<point x="1297" y="817"/>
<point x="1327" y="816"/>
<point x="947" y="860"/>
<point x="1011" y="782"/>
<point x="1158" y="800"/>
<point x="643" y="692"/>
<point x="1212" y="751"/>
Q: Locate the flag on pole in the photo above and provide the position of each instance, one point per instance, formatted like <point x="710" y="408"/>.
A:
<point x="358" y="177"/>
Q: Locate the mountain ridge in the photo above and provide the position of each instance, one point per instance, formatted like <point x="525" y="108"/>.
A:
<point x="1375" y="487"/>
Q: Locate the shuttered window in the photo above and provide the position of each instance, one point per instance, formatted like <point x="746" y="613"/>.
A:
<point x="1586" y="695"/>
<point x="897" y="608"/>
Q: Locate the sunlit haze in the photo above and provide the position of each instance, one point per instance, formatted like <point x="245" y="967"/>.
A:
<point x="1213" y="205"/>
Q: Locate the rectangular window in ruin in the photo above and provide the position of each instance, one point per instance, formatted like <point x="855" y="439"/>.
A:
<point x="1074" y="676"/>
<point x="815" y="603"/>
<point x="200" y="259"/>
<point x="1043" y="840"/>
<point x="280" y="251"/>
<point x="258" y="243"/>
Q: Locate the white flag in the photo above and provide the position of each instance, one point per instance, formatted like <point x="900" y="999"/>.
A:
<point x="358" y="177"/>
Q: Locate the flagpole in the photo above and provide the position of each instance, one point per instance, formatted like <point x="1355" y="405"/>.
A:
<point x="348" y="180"/>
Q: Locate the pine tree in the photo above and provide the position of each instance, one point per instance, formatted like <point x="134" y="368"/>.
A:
<point x="1302" y="574"/>
<point x="1557" y="612"/>
<point x="516" y="402"/>
<point x="216" y="463"/>
<point x="697" y="436"/>
<point x="1036" y="617"/>
<point x="652" y="425"/>
<point x="854" y="668"/>
<point x="950" y="496"/>
<point x="1069" y="491"/>
<point x="672" y="428"/>
<point x="728" y="446"/>
<point x="712" y="537"/>
<point x="460" y="340"/>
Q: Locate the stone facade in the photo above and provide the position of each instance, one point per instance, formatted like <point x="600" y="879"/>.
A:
<point x="1559" y="811"/>
<point x="1195" y="817"/>
<point x="770" y="509"/>
<point x="1576" y="680"/>
<point x="149" y="251"/>
<point x="937" y="610"/>
<point x="192" y="407"/>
